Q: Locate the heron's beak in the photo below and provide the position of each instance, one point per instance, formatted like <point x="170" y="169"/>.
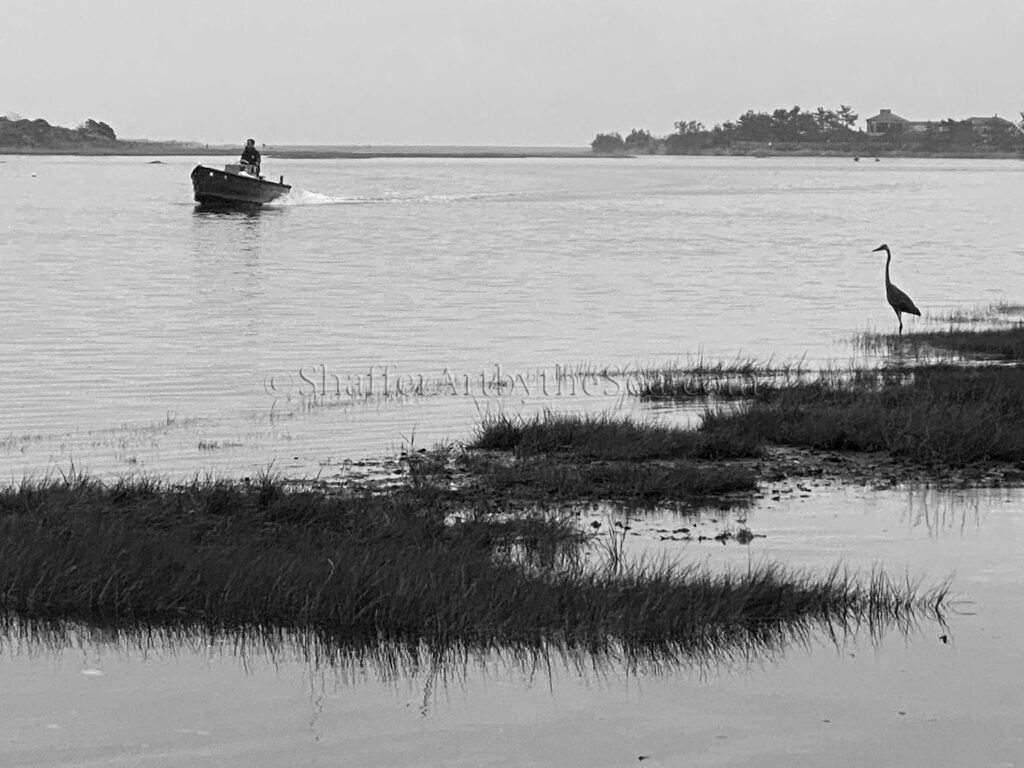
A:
<point x="879" y="248"/>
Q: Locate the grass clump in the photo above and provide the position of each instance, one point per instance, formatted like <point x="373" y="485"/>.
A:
<point x="602" y="437"/>
<point x="365" y="569"/>
<point x="554" y="457"/>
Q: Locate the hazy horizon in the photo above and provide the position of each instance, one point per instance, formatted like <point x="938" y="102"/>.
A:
<point x="489" y="73"/>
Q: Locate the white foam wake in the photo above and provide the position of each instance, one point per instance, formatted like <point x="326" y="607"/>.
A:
<point x="305" y="197"/>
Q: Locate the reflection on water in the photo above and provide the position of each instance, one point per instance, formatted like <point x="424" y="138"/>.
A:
<point x="721" y="650"/>
<point x="225" y="275"/>
<point x="943" y="511"/>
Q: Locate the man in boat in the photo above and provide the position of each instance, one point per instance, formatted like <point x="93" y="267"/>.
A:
<point x="251" y="155"/>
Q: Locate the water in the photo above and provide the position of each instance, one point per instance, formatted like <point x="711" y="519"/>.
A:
<point x="143" y="336"/>
<point x="140" y="335"/>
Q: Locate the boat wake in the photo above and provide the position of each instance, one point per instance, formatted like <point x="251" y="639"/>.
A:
<point x="306" y="197"/>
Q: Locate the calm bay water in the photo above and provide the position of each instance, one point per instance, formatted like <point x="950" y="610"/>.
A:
<point x="142" y="335"/>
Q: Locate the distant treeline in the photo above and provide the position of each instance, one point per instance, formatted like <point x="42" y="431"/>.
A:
<point x="20" y="132"/>
<point x="824" y="130"/>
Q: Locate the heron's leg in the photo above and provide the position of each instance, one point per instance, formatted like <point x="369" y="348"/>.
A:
<point x="900" y="318"/>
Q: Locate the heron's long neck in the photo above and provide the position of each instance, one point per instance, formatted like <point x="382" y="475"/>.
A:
<point x="888" y="258"/>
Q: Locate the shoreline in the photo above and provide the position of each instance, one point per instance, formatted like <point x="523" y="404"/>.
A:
<point x="306" y="152"/>
<point x="347" y="152"/>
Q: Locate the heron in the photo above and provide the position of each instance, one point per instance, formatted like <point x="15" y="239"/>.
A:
<point x="898" y="300"/>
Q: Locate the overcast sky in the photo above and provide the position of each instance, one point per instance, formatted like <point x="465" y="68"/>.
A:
<point x="514" y="72"/>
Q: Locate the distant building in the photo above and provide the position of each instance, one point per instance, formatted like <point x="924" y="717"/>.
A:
<point x="983" y="126"/>
<point x="887" y="123"/>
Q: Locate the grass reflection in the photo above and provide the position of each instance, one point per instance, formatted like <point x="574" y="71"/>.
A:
<point x="875" y="608"/>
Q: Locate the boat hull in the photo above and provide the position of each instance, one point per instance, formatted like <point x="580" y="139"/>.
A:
<point x="213" y="188"/>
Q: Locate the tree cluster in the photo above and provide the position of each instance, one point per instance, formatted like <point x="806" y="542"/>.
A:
<point x="949" y="135"/>
<point x="20" y="132"/>
<point x="792" y="125"/>
<point x="824" y="129"/>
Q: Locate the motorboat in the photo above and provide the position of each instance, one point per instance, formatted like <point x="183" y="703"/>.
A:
<point x="239" y="185"/>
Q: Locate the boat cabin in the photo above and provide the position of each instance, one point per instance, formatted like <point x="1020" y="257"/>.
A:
<point x="246" y="168"/>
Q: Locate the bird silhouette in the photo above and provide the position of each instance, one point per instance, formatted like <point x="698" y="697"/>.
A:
<point x="898" y="300"/>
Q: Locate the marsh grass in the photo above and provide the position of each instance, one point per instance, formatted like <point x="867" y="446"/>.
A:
<point x="1000" y="311"/>
<point x="360" y="570"/>
<point x="1005" y="343"/>
<point x="999" y="343"/>
<point x="933" y="414"/>
<point x="741" y="366"/>
<point x="705" y="380"/>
